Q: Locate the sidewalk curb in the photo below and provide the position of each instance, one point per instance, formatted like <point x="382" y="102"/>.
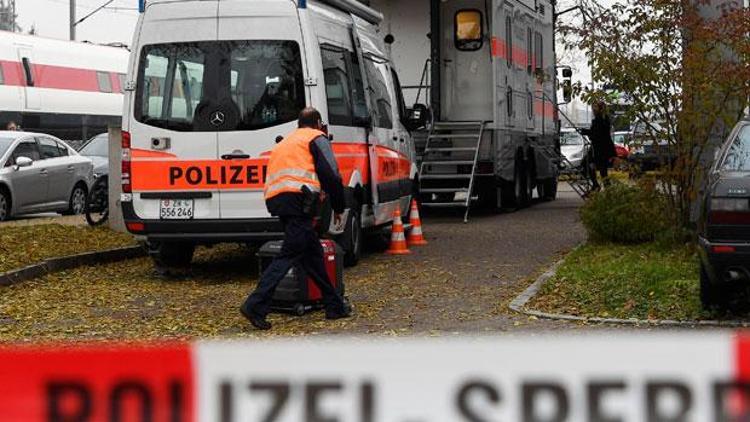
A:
<point x="67" y="262"/>
<point x="519" y="305"/>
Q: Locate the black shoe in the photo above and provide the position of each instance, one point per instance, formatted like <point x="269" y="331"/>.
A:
<point x="257" y="321"/>
<point x="345" y="313"/>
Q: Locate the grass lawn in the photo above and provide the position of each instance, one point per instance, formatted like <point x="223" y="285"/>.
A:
<point x="26" y="245"/>
<point x="648" y="281"/>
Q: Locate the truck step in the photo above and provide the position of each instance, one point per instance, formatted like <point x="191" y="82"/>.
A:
<point x="449" y="149"/>
<point x="444" y="190"/>
<point x="474" y="136"/>
<point x="444" y="176"/>
<point x="455" y="125"/>
<point x="449" y="162"/>
<point x="444" y="204"/>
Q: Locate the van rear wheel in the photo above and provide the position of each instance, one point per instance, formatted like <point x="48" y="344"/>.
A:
<point x="352" y="237"/>
<point x="171" y="254"/>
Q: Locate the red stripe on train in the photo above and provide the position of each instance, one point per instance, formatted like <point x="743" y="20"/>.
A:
<point x="57" y="77"/>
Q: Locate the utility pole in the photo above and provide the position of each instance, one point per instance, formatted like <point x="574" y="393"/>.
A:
<point x="72" y="20"/>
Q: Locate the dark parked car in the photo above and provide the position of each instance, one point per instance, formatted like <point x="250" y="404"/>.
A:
<point x="724" y="228"/>
<point x="646" y="153"/>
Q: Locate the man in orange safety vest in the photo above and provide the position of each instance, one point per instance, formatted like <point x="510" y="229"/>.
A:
<point x="300" y="167"/>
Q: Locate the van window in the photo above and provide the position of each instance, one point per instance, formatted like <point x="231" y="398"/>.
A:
<point x="399" y="95"/>
<point x="360" y="110"/>
<point x="380" y="99"/>
<point x="469" y="31"/>
<point x="338" y="91"/>
<point x="256" y="83"/>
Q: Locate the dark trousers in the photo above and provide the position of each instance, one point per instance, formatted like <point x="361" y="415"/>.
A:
<point x="301" y="248"/>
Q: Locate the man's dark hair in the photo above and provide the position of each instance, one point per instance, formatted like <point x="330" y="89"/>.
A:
<point x="309" y="118"/>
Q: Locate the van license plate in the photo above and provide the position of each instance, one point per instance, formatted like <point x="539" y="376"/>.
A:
<point x="176" y="209"/>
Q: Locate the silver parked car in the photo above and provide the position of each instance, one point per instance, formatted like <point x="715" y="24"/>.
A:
<point x="575" y="147"/>
<point x="40" y="173"/>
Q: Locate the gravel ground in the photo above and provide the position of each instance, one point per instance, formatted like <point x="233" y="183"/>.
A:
<point x="461" y="282"/>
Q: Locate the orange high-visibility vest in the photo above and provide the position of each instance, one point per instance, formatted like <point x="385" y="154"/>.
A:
<point x="291" y="165"/>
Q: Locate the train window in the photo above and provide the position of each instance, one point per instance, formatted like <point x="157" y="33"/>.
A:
<point x="538" y="52"/>
<point x="380" y="99"/>
<point x="121" y="78"/>
<point x="469" y="31"/>
<point x="529" y="50"/>
<point x="105" y="84"/>
<point x="509" y="40"/>
<point x="2" y="76"/>
<point x="338" y="91"/>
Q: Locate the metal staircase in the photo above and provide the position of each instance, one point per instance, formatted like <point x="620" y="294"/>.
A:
<point x="449" y="164"/>
<point x="579" y="178"/>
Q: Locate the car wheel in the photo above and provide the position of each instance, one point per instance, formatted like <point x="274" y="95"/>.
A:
<point x="4" y="205"/>
<point x="352" y="239"/>
<point x="714" y="297"/>
<point x="171" y="254"/>
<point x="77" y="202"/>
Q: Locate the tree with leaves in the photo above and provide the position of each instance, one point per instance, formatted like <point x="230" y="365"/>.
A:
<point x="682" y="65"/>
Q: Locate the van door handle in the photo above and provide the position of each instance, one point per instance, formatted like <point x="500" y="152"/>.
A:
<point x="234" y="156"/>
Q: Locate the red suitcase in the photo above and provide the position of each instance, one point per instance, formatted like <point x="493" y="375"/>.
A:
<point x="297" y="293"/>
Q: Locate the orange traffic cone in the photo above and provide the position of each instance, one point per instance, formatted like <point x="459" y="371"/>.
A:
<point x="398" y="241"/>
<point x="415" y="238"/>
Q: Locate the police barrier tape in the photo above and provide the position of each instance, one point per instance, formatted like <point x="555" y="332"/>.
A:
<point x="609" y="377"/>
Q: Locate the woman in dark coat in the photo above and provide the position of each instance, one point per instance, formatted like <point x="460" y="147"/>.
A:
<point x="602" y="146"/>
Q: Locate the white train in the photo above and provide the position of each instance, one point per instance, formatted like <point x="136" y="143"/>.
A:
<point x="68" y="89"/>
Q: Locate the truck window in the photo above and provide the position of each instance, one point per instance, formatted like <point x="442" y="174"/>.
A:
<point x="529" y="50"/>
<point x="538" y="52"/>
<point x="380" y="99"/>
<point x="258" y="81"/>
<point x="338" y="91"/>
<point x="738" y="155"/>
<point x="509" y="40"/>
<point x="469" y="31"/>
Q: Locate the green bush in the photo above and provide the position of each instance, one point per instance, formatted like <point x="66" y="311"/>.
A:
<point x="623" y="213"/>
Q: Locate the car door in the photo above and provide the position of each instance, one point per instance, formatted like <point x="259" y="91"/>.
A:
<point x="60" y="172"/>
<point x="29" y="184"/>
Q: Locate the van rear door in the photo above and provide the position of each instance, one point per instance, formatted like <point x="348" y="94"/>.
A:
<point x="173" y="141"/>
<point x="266" y="84"/>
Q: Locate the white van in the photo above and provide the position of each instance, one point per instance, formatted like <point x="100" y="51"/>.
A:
<point x="213" y="84"/>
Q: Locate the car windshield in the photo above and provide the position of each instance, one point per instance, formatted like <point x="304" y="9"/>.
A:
<point x="738" y="155"/>
<point x="620" y="138"/>
<point x="571" y="138"/>
<point x="5" y="143"/>
<point x="97" y="147"/>
<point x="220" y="85"/>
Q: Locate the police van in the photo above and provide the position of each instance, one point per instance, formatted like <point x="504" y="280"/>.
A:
<point x="214" y="84"/>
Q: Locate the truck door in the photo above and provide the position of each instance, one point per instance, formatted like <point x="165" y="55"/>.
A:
<point x="32" y="101"/>
<point x="466" y="49"/>
<point x="176" y="114"/>
<point x="265" y="84"/>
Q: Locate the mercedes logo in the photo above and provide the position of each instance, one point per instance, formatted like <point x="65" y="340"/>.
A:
<point x="217" y="118"/>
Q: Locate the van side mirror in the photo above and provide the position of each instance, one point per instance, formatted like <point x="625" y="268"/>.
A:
<point x="24" y="162"/>
<point x="417" y="117"/>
